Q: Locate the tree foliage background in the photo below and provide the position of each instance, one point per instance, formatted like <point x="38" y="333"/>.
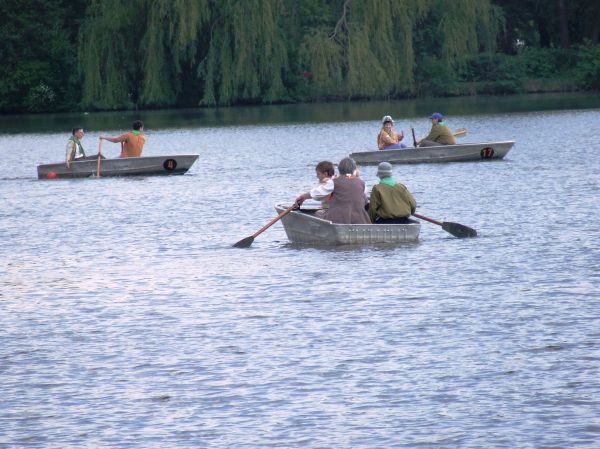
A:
<point x="118" y="54"/>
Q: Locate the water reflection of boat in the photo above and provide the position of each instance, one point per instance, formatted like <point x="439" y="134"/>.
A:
<point x="443" y="153"/>
<point x="130" y="166"/>
<point x="302" y="226"/>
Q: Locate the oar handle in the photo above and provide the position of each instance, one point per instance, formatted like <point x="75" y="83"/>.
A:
<point x="99" y="157"/>
<point x="414" y="137"/>
<point x="430" y="220"/>
<point x="274" y="220"/>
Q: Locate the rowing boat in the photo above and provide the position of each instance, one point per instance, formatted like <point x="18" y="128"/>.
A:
<point x="302" y="226"/>
<point x="128" y="166"/>
<point x="442" y="153"/>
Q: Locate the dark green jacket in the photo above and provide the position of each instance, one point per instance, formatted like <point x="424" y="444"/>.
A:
<point x="440" y="133"/>
<point x="391" y="202"/>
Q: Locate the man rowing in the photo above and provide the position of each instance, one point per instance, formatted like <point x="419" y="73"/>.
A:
<point x="440" y="134"/>
<point x="132" y="143"/>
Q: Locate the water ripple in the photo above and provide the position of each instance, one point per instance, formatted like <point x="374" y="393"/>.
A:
<point x="128" y="320"/>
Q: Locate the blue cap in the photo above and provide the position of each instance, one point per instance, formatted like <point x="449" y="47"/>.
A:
<point x="437" y="116"/>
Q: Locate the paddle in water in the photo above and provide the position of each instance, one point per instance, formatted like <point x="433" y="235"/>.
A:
<point x="246" y="242"/>
<point x="456" y="229"/>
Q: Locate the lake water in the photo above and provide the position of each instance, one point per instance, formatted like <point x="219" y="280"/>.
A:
<point x="128" y="320"/>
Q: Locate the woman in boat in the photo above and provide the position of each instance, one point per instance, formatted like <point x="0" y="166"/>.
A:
<point x="322" y="192"/>
<point x="388" y="139"/>
<point x="348" y="199"/>
<point x="440" y="134"/>
<point x="390" y="201"/>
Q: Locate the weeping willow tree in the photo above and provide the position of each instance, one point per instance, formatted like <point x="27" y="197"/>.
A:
<point x="448" y="37"/>
<point x="322" y="58"/>
<point x="108" y="53"/>
<point x="468" y="27"/>
<point x="371" y="50"/>
<point x="134" y="51"/>
<point x="381" y="57"/>
<point x="247" y="54"/>
<point x="170" y="43"/>
<point x="161" y="52"/>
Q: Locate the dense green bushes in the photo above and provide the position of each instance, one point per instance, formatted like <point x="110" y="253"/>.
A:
<point x="531" y="70"/>
<point x="587" y="70"/>
<point x="38" y="54"/>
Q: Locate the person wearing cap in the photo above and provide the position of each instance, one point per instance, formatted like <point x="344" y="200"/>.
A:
<point x="390" y="202"/>
<point x="349" y="198"/>
<point x="440" y="134"/>
<point x="322" y="192"/>
<point x="388" y="139"/>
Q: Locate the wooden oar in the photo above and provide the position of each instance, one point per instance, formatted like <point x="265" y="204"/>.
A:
<point x="458" y="133"/>
<point x="245" y="243"/>
<point x="99" y="157"/>
<point x="456" y="229"/>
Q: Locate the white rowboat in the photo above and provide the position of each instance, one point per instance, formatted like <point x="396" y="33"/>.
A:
<point x="129" y="166"/>
<point x="302" y="226"/>
<point x="442" y="153"/>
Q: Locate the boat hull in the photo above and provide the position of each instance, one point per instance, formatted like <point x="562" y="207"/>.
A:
<point x="129" y="166"/>
<point x="443" y="153"/>
<point x="303" y="227"/>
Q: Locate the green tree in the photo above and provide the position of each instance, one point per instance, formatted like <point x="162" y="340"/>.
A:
<point x="548" y="23"/>
<point x="247" y="54"/>
<point x="38" y="70"/>
<point x="113" y="54"/>
<point x="109" y="53"/>
<point x="170" y="45"/>
<point x="377" y="46"/>
<point x="263" y="51"/>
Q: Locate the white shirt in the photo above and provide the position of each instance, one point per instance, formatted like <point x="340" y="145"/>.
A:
<point x="322" y="191"/>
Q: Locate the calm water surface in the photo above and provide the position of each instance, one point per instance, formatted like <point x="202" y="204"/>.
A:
<point x="128" y="320"/>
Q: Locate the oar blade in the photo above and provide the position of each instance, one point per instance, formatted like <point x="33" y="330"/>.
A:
<point x="244" y="243"/>
<point x="458" y="230"/>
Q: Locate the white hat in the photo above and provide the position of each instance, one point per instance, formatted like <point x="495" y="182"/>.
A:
<point x="387" y="118"/>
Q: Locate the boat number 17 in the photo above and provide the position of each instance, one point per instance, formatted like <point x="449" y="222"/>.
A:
<point x="487" y="153"/>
